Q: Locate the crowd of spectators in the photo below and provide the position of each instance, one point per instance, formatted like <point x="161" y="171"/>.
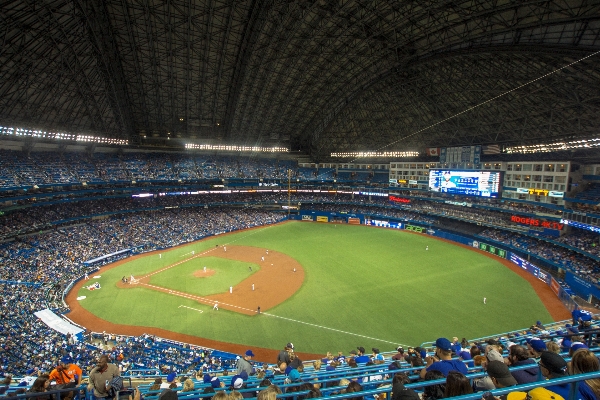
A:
<point x="152" y="355"/>
<point x="20" y="169"/>
<point x="445" y="369"/>
<point x="582" y="240"/>
<point x="39" y="266"/>
<point x="25" y="342"/>
<point x="559" y="256"/>
<point x="53" y="258"/>
<point x="58" y="255"/>
<point x="43" y="217"/>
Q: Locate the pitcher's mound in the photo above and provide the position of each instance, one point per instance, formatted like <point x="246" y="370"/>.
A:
<point x="201" y="274"/>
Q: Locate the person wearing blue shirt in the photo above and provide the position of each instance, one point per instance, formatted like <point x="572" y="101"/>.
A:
<point x="585" y="319"/>
<point x="362" y="357"/>
<point x="575" y="315"/>
<point x="442" y="360"/>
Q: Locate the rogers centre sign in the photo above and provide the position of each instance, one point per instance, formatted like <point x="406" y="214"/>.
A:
<point x="536" y="222"/>
<point x="399" y="199"/>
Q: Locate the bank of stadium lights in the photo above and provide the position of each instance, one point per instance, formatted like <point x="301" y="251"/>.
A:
<point x="21" y="132"/>
<point x="558" y="146"/>
<point x="236" y="148"/>
<point x="371" y="154"/>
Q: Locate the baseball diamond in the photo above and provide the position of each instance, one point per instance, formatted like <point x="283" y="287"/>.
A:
<point x="300" y="198"/>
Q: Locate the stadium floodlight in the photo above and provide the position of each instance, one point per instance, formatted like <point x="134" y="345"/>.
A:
<point x="256" y="149"/>
<point x="372" y="154"/>
<point x="556" y="146"/>
<point x="9" y="131"/>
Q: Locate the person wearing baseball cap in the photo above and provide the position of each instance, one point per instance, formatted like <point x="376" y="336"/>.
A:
<point x="553" y="366"/>
<point x="500" y="375"/>
<point x="442" y="360"/>
<point x="536" y="346"/>
<point x="399" y="356"/>
<point x="236" y="383"/>
<point x="66" y="372"/>
<point x="540" y="393"/>
<point x="284" y="355"/>
<point x="215" y="383"/>
<point x="244" y="365"/>
<point x="171" y="377"/>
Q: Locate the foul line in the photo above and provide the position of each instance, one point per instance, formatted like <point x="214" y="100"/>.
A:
<point x="195" y="309"/>
<point x="335" y="330"/>
<point x="212" y="302"/>
<point x="254" y="232"/>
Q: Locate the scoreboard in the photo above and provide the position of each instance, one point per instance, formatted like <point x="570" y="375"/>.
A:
<point x="466" y="182"/>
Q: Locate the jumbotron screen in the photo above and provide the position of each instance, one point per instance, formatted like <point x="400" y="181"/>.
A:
<point x="466" y="182"/>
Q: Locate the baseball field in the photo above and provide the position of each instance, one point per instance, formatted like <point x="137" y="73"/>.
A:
<point x="324" y="287"/>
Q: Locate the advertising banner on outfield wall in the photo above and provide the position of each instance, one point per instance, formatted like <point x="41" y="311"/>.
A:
<point x="384" y="224"/>
<point x="322" y="218"/>
<point x="307" y="217"/>
<point x="582" y="287"/>
<point x="555" y="286"/>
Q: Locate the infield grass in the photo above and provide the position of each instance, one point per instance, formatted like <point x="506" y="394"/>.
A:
<point x="372" y="287"/>
<point x="226" y="273"/>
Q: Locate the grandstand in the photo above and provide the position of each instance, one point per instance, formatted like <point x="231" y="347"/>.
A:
<point x="138" y="135"/>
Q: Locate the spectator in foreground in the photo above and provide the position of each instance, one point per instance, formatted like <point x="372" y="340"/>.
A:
<point x="434" y="392"/>
<point x="156" y="384"/>
<point x="554" y="366"/>
<point x="519" y="356"/>
<point x="584" y="361"/>
<point x="66" y="372"/>
<point x="220" y="395"/>
<point x="244" y="365"/>
<point x="399" y="356"/>
<point x="536" y="346"/>
<point x="40" y="385"/>
<point x="270" y="393"/>
<point x="399" y="392"/>
<point x="534" y="394"/>
<point x="457" y="384"/>
<point x="500" y="375"/>
<point x="354" y="387"/>
<point x="442" y="361"/>
<point x="486" y="383"/>
<point x="102" y="372"/>
<point x="188" y="385"/>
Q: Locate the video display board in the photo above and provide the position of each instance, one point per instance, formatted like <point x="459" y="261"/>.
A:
<point x="466" y="182"/>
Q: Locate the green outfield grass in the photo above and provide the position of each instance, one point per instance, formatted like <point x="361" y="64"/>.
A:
<point x="378" y="283"/>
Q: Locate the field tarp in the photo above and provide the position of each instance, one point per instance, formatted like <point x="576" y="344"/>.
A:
<point x="57" y="323"/>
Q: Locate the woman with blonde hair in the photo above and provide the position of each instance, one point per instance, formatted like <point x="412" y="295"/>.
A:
<point x="585" y="361"/>
<point x="221" y="395"/>
<point x="270" y="393"/>
<point x="188" y="385"/>
<point x="553" y="347"/>
<point x="235" y="395"/>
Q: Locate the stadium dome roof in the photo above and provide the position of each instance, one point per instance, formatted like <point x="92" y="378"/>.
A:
<point x="319" y="76"/>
